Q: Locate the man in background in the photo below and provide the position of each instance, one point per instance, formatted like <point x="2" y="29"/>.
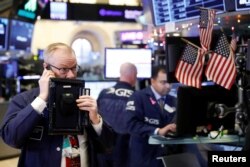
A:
<point x="111" y="103"/>
<point x="150" y="111"/>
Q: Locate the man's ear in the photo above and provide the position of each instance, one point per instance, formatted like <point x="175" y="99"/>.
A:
<point x="46" y="66"/>
<point x="152" y="80"/>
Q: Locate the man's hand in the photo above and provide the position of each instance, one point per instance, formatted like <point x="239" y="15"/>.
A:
<point x="44" y="83"/>
<point x="168" y="128"/>
<point x="87" y="103"/>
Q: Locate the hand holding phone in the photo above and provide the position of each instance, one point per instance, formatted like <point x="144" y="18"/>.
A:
<point x="44" y="82"/>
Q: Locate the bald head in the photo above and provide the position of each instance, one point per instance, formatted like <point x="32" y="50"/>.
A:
<point x="128" y="73"/>
<point x="64" y="49"/>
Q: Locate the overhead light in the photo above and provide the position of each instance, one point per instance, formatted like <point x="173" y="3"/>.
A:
<point x="176" y="34"/>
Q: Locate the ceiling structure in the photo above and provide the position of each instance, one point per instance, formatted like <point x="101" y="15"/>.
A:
<point x="238" y="21"/>
<point x="5" y="5"/>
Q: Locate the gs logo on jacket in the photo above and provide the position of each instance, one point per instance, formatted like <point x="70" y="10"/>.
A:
<point x="111" y="104"/>
<point x="120" y="92"/>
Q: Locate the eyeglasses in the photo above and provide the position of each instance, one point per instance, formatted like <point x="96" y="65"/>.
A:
<point x="65" y="70"/>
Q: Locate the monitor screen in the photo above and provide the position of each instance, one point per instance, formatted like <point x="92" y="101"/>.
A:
<point x="97" y="86"/>
<point x="141" y="58"/>
<point x="242" y="5"/>
<point x="21" y="39"/>
<point x="58" y="10"/>
<point x="171" y="11"/>
<point x="4" y="23"/>
<point x="30" y="9"/>
<point x="40" y="53"/>
<point x="9" y="69"/>
<point x="196" y="107"/>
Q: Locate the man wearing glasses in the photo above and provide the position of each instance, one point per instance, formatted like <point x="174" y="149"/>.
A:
<point x="150" y="111"/>
<point x="63" y="70"/>
<point x="25" y="125"/>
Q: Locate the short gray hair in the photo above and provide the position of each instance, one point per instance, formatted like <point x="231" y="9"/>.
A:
<point x="54" y="46"/>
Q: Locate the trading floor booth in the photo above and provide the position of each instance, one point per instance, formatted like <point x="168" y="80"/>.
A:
<point x="197" y="116"/>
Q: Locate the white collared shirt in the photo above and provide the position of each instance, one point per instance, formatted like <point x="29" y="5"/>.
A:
<point x="39" y="105"/>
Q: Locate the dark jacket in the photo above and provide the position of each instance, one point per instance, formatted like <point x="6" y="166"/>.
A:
<point x="24" y="128"/>
<point x="112" y="103"/>
<point x="143" y="116"/>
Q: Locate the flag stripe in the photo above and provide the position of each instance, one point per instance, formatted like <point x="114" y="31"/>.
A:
<point x="221" y="66"/>
<point x="206" y="27"/>
<point x="231" y="75"/>
<point x="214" y="66"/>
<point x="198" y="72"/>
<point x="224" y="71"/>
<point x="189" y="72"/>
<point x="218" y="70"/>
<point x="209" y="68"/>
<point x="224" y="68"/>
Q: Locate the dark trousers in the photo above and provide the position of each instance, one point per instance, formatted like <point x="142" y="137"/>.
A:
<point x="119" y="157"/>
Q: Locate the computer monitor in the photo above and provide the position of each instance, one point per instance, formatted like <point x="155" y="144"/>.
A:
<point x="196" y="107"/>
<point x="242" y="5"/>
<point x="9" y="69"/>
<point x="4" y="26"/>
<point x="174" y="11"/>
<point x="97" y="86"/>
<point x="115" y="57"/>
<point x="20" y="40"/>
<point x="58" y="10"/>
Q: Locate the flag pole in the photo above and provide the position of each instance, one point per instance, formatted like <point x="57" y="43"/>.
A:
<point x="196" y="46"/>
<point x="221" y="29"/>
<point x="187" y="41"/>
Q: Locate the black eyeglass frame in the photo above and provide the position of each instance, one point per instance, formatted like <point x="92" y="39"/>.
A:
<point x="64" y="70"/>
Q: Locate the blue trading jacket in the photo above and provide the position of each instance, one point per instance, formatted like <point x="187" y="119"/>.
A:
<point x="143" y="116"/>
<point x="24" y="128"/>
<point x="112" y="103"/>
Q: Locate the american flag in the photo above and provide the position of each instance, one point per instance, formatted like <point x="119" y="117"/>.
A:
<point x="206" y="27"/>
<point x="221" y="67"/>
<point x="233" y="43"/>
<point x="190" y="66"/>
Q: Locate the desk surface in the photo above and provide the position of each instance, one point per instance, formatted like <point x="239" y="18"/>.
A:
<point x="155" y="139"/>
